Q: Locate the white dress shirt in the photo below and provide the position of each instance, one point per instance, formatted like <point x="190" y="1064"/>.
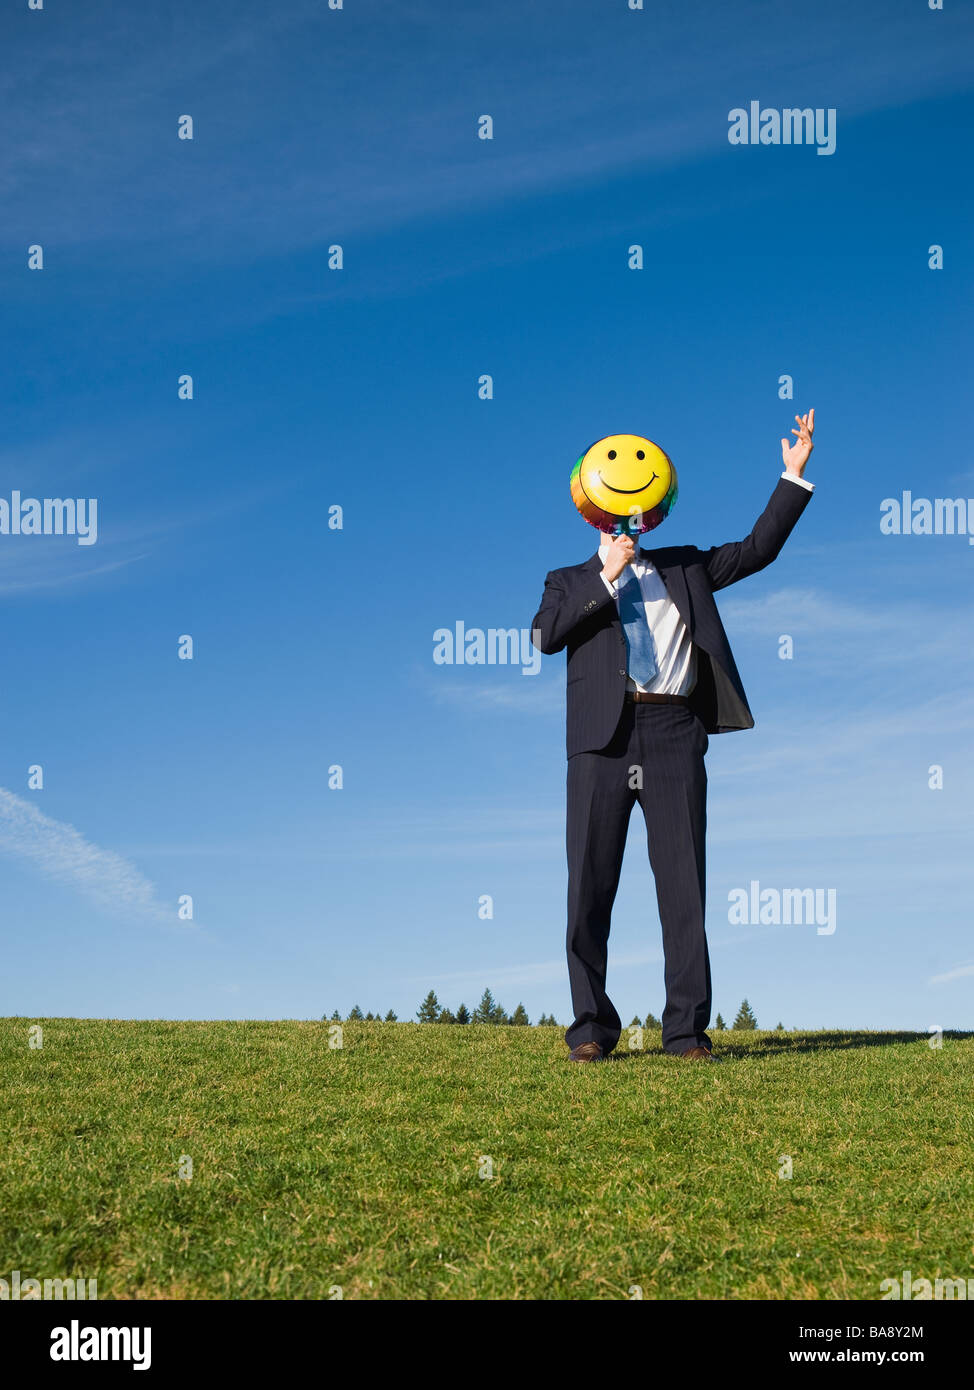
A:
<point x="676" y="656"/>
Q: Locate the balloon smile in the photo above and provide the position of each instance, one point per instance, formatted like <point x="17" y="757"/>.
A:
<point x="630" y="491"/>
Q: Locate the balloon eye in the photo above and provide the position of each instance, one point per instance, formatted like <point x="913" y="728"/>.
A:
<point x="640" y="454"/>
<point x="612" y="453"/>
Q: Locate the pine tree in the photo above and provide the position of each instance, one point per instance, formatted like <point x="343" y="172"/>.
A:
<point x="429" y="1010"/>
<point x="519" y="1017"/>
<point x="745" y="1019"/>
<point x="500" y="1014"/>
<point x="355" y="1014"/>
<point x="445" y="1017"/>
<point x="336" y="1017"/>
<point x="651" y="1022"/>
<point x="779" y="1027"/>
<point x="462" y="1014"/>
<point x="368" y="1017"/>
<point x="719" y="1023"/>
<point x="636" y="1023"/>
<point x="391" y="1017"/>
<point x="486" y="1009"/>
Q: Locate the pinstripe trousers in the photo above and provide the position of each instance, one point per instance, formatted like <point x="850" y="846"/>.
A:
<point x="656" y="757"/>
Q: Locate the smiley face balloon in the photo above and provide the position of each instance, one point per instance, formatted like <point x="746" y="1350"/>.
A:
<point x="624" y="484"/>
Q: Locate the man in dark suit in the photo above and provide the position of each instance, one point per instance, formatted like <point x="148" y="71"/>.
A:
<point x="640" y="713"/>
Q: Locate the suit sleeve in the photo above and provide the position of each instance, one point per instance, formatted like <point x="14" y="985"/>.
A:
<point x="565" y="605"/>
<point x="726" y="564"/>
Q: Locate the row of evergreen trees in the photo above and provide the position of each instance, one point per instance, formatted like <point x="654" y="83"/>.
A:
<point x="745" y="1020"/>
<point x="490" y="1011"/>
<point x="431" y="1011"/>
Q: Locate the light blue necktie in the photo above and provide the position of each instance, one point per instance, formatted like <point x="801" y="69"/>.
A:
<point x="635" y="624"/>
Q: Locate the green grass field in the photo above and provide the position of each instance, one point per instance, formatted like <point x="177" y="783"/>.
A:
<point x="360" y="1168"/>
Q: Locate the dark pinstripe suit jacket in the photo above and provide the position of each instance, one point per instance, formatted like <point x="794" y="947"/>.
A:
<point x="578" y="612"/>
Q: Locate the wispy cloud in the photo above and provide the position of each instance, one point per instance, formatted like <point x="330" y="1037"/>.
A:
<point x="130" y="530"/>
<point x="533" y="694"/>
<point x="51" y="564"/>
<point x="414" y="152"/>
<point x="958" y="973"/>
<point x="841" y="625"/>
<point x="60" y="852"/>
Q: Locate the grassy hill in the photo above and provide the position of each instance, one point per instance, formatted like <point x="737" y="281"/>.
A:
<point x="360" y="1168"/>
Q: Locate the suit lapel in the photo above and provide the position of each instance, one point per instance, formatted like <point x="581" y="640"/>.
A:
<point x="672" y="575"/>
<point x="675" y="581"/>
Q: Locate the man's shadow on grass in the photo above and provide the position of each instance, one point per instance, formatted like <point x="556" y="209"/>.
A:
<point x="773" y="1043"/>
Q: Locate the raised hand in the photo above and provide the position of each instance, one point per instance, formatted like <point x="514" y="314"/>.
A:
<point x="795" y="456"/>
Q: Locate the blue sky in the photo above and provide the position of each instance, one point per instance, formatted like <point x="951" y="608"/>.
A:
<point x="358" y="387"/>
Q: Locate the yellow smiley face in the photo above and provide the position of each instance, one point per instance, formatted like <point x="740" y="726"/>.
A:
<point x="624" y="484"/>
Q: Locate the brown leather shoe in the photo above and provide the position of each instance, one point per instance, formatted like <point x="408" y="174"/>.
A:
<point x="699" y="1054"/>
<point x="586" y="1052"/>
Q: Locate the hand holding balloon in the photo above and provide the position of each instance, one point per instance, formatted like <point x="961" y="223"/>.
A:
<point x="622" y="550"/>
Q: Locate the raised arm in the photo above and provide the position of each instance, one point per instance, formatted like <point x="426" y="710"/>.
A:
<point x="726" y="564"/>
